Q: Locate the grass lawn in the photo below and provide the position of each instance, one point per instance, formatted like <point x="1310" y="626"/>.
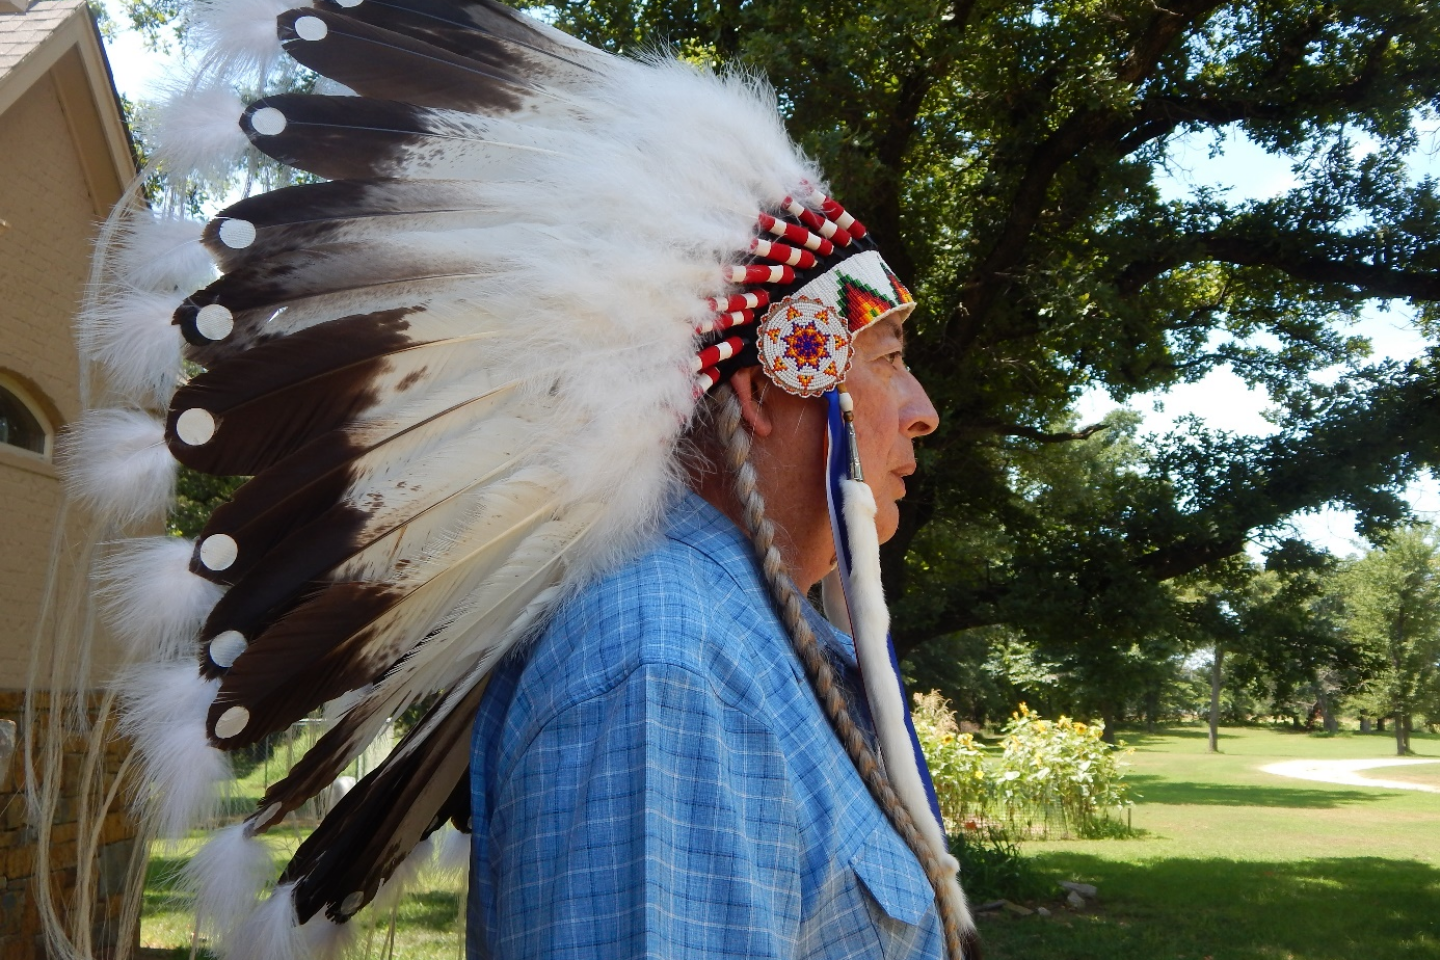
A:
<point x="428" y="921"/>
<point x="1236" y="864"/>
<point x="1230" y="864"/>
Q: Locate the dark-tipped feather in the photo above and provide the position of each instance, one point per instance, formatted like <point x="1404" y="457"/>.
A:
<point x="339" y="867"/>
<point x="347" y="634"/>
<point x="329" y="371"/>
<point x="311" y="215"/>
<point x="454" y="25"/>
<point x="348" y="138"/>
<point x="374" y="62"/>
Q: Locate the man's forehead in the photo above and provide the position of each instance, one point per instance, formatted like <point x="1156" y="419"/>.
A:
<point x="890" y="328"/>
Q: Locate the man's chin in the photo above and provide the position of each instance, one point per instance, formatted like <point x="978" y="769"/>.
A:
<point x="887" y="519"/>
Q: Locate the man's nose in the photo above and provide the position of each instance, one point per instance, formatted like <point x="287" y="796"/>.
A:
<point x="918" y="416"/>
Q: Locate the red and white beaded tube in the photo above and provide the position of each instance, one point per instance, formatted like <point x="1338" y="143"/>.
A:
<point x="813" y="220"/>
<point x="714" y="354"/>
<point x="838" y="214"/>
<point x="782" y="253"/>
<point x="795" y="233"/>
<point x="706" y="379"/>
<point x="752" y="300"/>
<point x="759" y="273"/>
<point x="724" y="321"/>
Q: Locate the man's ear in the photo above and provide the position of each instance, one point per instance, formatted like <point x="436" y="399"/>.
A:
<point x="749" y="384"/>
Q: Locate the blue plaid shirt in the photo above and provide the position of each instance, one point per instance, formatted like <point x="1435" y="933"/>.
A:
<point x="654" y="778"/>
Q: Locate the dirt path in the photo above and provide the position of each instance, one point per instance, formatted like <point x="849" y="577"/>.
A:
<point x="1347" y="772"/>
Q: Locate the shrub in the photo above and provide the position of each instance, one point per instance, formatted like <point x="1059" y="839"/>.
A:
<point x="1049" y="773"/>
<point x="956" y="761"/>
<point x="993" y="868"/>
<point x="1057" y="770"/>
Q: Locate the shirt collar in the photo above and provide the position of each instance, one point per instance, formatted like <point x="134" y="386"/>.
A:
<point x="696" y="522"/>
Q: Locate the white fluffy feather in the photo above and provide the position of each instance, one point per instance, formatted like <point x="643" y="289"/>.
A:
<point x="163" y="255"/>
<point x="226" y="878"/>
<point x="236" y="39"/>
<point x="197" y="133"/>
<point x="116" y="464"/>
<point x="164" y="710"/>
<point x="871" y="619"/>
<point x="327" y="940"/>
<point x="405" y="874"/>
<point x="153" y="603"/>
<point x="453" y="853"/>
<point x="130" y="333"/>
<point x="271" y="931"/>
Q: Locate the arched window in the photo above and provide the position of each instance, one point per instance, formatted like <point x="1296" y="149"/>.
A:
<point x="21" y="423"/>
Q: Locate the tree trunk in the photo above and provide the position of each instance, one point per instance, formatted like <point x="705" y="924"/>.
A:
<point x="1216" y="666"/>
<point x="1402" y="745"/>
<point x="1331" y="724"/>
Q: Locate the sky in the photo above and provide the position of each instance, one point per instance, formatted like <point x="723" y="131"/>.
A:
<point x="1221" y="400"/>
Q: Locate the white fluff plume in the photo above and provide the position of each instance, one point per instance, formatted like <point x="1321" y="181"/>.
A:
<point x="163" y="254"/>
<point x="116" y="464"/>
<point x="453" y="851"/>
<point x="165" y="706"/>
<point x="129" y="332"/>
<point x="197" y="132"/>
<point x="404" y="876"/>
<point x="871" y="619"/>
<point x="271" y="931"/>
<point x="153" y="603"/>
<point x="226" y="878"/>
<point x="327" y="940"/>
<point x="237" y="39"/>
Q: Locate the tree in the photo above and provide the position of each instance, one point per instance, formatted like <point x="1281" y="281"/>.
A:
<point x="1006" y="155"/>
<point x="1392" y="596"/>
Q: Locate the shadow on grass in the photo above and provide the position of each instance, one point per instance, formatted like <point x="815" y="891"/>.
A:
<point x="162" y="878"/>
<point x="1164" y="735"/>
<point x="1361" y="908"/>
<point x="435" y="910"/>
<point x="1148" y="788"/>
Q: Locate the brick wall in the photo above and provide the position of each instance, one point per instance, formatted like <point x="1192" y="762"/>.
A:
<point x="44" y="262"/>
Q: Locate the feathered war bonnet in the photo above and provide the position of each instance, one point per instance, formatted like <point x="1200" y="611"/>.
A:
<point x="456" y="369"/>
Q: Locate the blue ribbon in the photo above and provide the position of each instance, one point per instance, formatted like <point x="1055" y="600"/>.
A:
<point x="838" y="468"/>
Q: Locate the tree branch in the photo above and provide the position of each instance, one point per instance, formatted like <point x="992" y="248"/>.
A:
<point x="1036" y="434"/>
<point x="1081" y="129"/>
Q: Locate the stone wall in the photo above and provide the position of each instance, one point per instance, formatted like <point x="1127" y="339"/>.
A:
<point x="20" y="934"/>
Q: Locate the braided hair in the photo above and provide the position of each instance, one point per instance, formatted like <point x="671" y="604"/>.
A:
<point x="960" y="939"/>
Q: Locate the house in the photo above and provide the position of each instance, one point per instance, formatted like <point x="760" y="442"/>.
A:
<point x="65" y="158"/>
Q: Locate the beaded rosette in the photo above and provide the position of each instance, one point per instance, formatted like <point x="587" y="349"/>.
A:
<point x="803" y="338"/>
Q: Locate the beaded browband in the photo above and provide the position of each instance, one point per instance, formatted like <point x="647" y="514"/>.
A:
<point x="823" y="285"/>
